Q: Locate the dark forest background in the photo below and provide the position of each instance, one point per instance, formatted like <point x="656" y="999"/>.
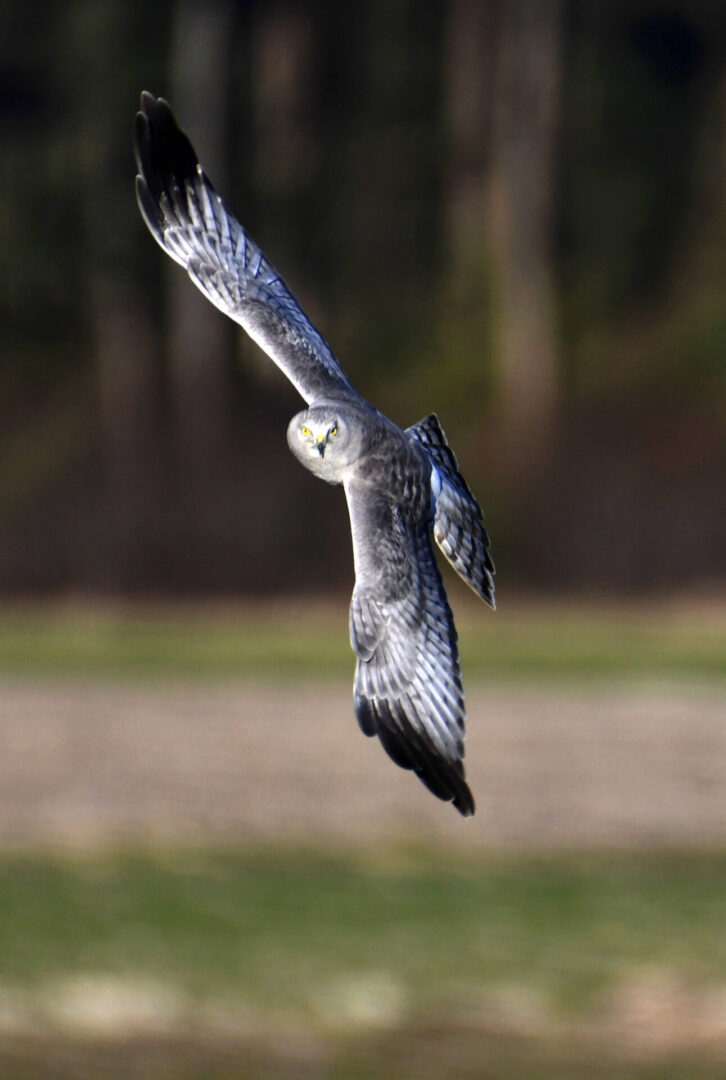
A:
<point x="511" y="212"/>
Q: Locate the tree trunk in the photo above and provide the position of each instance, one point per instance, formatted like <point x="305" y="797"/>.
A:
<point x="464" y="327"/>
<point x="521" y="221"/>
<point x="199" y="338"/>
<point x="284" y="152"/>
<point x="119" y="518"/>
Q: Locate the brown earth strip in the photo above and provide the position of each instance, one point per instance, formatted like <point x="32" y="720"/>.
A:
<point x="92" y="764"/>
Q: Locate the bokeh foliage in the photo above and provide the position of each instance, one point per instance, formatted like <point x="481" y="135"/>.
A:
<point x="375" y="157"/>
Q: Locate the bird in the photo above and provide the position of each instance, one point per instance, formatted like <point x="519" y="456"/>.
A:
<point x="402" y="486"/>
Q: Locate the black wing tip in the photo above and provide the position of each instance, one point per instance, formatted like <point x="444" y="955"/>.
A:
<point x="464" y="801"/>
<point x="443" y="779"/>
<point x="156" y="114"/>
<point x="447" y="783"/>
<point x="165" y="157"/>
<point x="487" y="592"/>
<point x="152" y="107"/>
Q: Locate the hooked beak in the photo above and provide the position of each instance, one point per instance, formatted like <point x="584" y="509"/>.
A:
<point x="320" y="446"/>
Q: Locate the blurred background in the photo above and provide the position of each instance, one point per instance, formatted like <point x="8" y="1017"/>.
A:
<point x="512" y="212"/>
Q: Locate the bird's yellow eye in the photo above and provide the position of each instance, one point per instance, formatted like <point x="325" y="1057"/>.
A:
<point x="334" y="430"/>
<point x="305" y="431"/>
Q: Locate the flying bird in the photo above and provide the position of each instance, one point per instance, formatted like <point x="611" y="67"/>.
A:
<point x="402" y="486"/>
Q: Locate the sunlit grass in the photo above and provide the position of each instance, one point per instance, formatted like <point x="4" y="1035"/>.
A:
<point x="298" y="640"/>
<point x="385" y="966"/>
<point x="286" y="931"/>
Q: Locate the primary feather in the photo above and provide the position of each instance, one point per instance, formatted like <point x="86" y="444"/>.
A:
<point x="188" y="219"/>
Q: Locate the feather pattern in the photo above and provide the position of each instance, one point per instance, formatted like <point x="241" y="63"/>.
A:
<point x="190" y="222"/>
<point x="401" y="486"/>
<point x="458" y="520"/>
<point x="407" y="688"/>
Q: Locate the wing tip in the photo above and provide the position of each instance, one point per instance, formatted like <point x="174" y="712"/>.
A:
<point x="464" y="800"/>
<point x="164" y="155"/>
<point x="152" y="106"/>
<point x="442" y="778"/>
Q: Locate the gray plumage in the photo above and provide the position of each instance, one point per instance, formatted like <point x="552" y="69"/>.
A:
<point x="401" y="486"/>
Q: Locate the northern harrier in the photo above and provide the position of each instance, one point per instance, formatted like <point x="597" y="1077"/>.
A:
<point x="401" y="486"/>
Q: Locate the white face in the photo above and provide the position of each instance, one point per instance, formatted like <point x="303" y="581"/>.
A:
<point x="316" y="435"/>
<point x="319" y="438"/>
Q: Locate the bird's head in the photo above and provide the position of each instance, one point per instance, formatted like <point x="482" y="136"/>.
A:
<point x="320" y="438"/>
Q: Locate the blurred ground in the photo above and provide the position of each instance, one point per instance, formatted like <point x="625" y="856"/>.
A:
<point x="207" y="871"/>
<point x="106" y="762"/>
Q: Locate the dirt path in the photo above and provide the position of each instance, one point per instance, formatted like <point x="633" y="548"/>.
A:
<point x="89" y="764"/>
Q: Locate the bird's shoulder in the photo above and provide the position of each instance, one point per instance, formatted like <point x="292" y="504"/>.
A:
<point x="390" y="460"/>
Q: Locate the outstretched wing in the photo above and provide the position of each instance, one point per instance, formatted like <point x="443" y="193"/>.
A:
<point x="458" y="520"/>
<point x="189" y="220"/>
<point x="407" y="682"/>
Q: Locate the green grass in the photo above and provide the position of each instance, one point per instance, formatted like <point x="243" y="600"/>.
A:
<point x="391" y="967"/>
<point x="271" y="926"/>
<point x="292" y="640"/>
